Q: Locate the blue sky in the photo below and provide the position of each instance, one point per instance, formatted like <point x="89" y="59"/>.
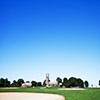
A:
<point x="61" y="37"/>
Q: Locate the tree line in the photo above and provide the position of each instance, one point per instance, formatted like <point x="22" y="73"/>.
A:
<point x="71" y="82"/>
<point x="18" y="83"/>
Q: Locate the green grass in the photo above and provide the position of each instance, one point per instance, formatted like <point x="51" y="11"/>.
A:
<point x="88" y="94"/>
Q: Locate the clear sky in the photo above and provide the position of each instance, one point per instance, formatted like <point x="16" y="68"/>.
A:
<point x="61" y="37"/>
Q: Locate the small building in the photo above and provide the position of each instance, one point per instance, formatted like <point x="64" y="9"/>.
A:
<point x="24" y="85"/>
<point x="53" y="83"/>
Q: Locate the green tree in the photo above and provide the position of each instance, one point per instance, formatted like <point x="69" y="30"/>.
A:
<point x="99" y="82"/>
<point x="2" y="82"/>
<point x="73" y="82"/>
<point x="65" y="79"/>
<point x="80" y="83"/>
<point x="59" y="80"/>
<point x="7" y="83"/>
<point x="14" y="84"/>
<point x="19" y="82"/>
<point x="39" y="84"/>
<point x="68" y="84"/>
<point x="86" y="84"/>
<point x="27" y="81"/>
<point x="34" y="83"/>
<point x="44" y="83"/>
<point x="65" y="82"/>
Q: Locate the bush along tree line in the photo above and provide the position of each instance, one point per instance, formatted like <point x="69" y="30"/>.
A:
<point x="36" y="84"/>
<point x="72" y="82"/>
<point x="4" y="82"/>
<point x="18" y="83"/>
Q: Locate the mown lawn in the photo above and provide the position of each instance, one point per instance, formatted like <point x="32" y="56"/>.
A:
<point x="88" y="94"/>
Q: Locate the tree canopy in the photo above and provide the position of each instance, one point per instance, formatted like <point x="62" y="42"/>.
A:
<point x="4" y="82"/>
<point x="86" y="84"/>
<point x="99" y="82"/>
<point x="73" y="82"/>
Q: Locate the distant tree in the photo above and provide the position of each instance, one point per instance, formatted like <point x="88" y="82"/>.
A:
<point x="99" y="82"/>
<point x="4" y="82"/>
<point x="92" y="85"/>
<point x="80" y="83"/>
<point x="73" y="82"/>
<point x="34" y="83"/>
<point x="86" y="84"/>
<point x="39" y="84"/>
<point x="59" y="80"/>
<point x="68" y="84"/>
<point x="14" y="84"/>
<point x="44" y="83"/>
<point x="27" y="81"/>
<point x="7" y="83"/>
<point x="65" y="79"/>
<point x="65" y="82"/>
<point x="19" y="82"/>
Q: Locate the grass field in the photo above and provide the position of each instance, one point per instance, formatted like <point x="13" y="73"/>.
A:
<point x="88" y="94"/>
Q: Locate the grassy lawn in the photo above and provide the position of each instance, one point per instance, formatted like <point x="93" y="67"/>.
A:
<point x="88" y="94"/>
